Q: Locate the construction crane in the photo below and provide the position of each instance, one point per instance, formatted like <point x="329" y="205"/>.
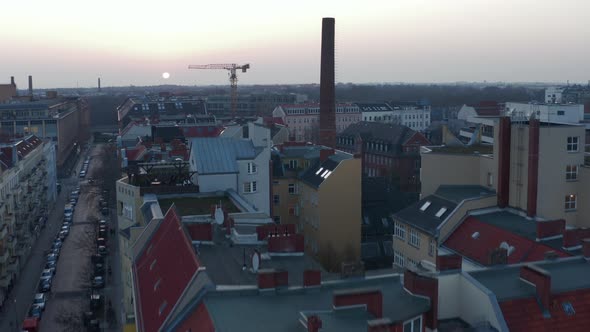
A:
<point x="233" y="80"/>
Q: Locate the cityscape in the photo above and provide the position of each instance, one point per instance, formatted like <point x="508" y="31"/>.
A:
<point x="294" y="204"/>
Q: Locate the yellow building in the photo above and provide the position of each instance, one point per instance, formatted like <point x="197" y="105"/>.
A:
<point x="319" y="190"/>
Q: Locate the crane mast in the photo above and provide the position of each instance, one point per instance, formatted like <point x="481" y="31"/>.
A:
<point x="233" y="80"/>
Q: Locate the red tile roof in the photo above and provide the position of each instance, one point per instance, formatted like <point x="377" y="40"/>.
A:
<point x="490" y="237"/>
<point x="162" y="271"/>
<point x="526" y="314"/>
<point x="199" y="320"/>
<point x="135" y="152"/>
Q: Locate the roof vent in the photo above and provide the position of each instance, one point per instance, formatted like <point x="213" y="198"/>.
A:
<point x="568" y="308"/>
<point x="509" y="249"/>
<point x="425" y="206"/>
<point x="475" y="235"/>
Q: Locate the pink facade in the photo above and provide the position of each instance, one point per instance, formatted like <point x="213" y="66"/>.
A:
<point x="303" y="120"/>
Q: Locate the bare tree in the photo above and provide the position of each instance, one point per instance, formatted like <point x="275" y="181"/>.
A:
<point x="85" y="275"/>
<point x="70" y="318"/>
<point x="86" y="241"/>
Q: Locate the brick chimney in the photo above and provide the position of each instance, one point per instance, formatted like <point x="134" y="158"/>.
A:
<point x="12" y="81"/>
<point x="550" y="228"/>
<point x="425" y="286"/>
<point x="449" y="262"/>
<point x="541" y="279"/>
<point x="533" y="168"/>
<point x="314" y="323"/>
<point x="371" y="298"/>
<point x="327" y="88"/>
<point x="30" y="85"/>
<point x="312" y="278"/>
<point x="325" y="153"/>
<point x="586" y="248"/>
<point x="503" y="145"/>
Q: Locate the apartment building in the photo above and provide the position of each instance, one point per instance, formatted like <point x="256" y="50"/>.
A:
<point x="159" y="109"/>
<point x="479" y="125"/>
<point x="414" y="115"/>
<point x="388" y="150"/>
<point x="303" y="120"/>
<point x="537" y="170"/>
<point x="27" y="187"/>
<point x="255" y="104"/>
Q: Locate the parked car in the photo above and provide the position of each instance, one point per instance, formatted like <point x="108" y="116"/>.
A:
<point x="47" y="274"/>
<point x="56" y="244"/>
<point x="52" y="269"/>
<point x="82" y="174"/>
<point x="55" y="251"/>
<point x="69" y="219"/>
<point x="97" y="259"/>
<point x="98" y="269"/>
<point x="65" y="229"/>
<point x="51" y="265"/>
<point x="104" y="211"/>
<point x="101" y="242"/>
<point x="87" y="317"/>
<point x="102" y="250"/>
<point x="102" y="223"/>
<point x="45" y="286"/>
<point x="40" y="300"/>
<point x="52" y="257"/>
<point x="35" y="311"/>
<point x="98" y="282"/>
<point x="62" y="235"/>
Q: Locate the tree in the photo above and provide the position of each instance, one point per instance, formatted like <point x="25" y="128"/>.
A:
<point x="70" y="318"/>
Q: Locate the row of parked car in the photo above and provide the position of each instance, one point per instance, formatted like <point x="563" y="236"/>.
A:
<point x="84" y="169"/>
<point x="48" y="273"/>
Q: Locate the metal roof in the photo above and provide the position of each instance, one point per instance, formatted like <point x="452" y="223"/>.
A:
<point x="218" y="155"/>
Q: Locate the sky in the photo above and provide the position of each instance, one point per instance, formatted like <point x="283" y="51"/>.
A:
<point x="67" y="43"/>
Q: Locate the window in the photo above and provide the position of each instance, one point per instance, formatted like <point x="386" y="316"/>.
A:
<point x="400" y="230"/>
<point x="570" y="202"/>
<point x="413" y="325"/>
<point x="293" y="163"/>
<point x="571" y="172"/>
<point x="414" y="238"/>
<point x="250" y="187"/>
<point x="431" y="247"/>
<point x="399" y="259"/>
<point x="572" y="144"/>
<point x="425" y="206"/>
<point x="490" y="180"/>
<point x="277" y="219"/>
<point x="276" y="199"/>
<point x="560" y="112"/>
<point x="252" y="169"/>
<point x="128" y="211"/>
<point x="441" y="212"/>
<point x="411" y="262"/>
<point x="292" y="189"/>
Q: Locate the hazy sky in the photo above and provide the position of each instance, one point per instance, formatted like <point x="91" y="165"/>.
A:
<point x="65" y="43"/>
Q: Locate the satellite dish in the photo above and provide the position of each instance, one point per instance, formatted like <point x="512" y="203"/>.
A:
<point x="255" y="261"/>
<point x="219" y="217"/>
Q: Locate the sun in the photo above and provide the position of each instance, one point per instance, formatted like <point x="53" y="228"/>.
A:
<point x="166" y="75"/>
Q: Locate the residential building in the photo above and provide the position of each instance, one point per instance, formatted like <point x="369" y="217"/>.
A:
<point x="419" y="227"/>
<point x="27" y="187"/>
<point x="303" y="120"/>
<point x="64" y="120"/>
<point x="554" y="95"/>
<point x="415" y="115"/>
<point x="255" y="104"/>
<point x="310" y="184"/>
<point x="163" y="108"/>
<point x="197" y="296"/>
<point x="238" y="161"/>
<point x="377" y="112"/>
<point x="476" y="117"/>
<point x="547" y="113"/>
<point x="570" y="94"/>
<point x="388" y="150"/>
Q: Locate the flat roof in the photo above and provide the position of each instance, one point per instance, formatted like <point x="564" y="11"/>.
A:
<point x="458" y="193"/>
<point x="189" y="206"/>
<point x="471" y="149"/>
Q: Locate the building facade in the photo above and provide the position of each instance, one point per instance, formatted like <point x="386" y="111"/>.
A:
<point x="388" y="150"/>
<point x="303" y="120"/>
<point x="251" y="104"/>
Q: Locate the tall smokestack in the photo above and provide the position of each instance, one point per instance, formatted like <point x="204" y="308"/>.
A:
<point x="12" y="80"/>
<point x="99" y="84"/>
<point x="30" y="85"/>
<point x="327" y="89"/>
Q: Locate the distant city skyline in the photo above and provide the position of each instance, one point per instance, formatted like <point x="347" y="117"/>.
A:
<point x="65" y="43"/>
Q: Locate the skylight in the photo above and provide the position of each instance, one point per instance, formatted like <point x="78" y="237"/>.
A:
<point x="324" y="174"/>
<point x="425" y="206"/>
<point x="441" y="212"/>
<point x="319" y="171"/>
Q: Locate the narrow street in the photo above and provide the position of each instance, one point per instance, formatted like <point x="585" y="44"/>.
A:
<point x="70" y="293"/>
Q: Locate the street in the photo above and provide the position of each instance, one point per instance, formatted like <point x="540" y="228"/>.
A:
<point x="70" y="293"/>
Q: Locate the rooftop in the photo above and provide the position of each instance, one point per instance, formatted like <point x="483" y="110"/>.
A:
<point x="458" y="193"/>
<point x="427" y="214"/>
<point x="472" y="149"/>
<point x="316" y="174"/>
<point x="391" y="133"/>
<point x="567" y="274"/>
<point x="188" y="206"/>
<point x="218" y="155"/>
<point x="289" y="305"/>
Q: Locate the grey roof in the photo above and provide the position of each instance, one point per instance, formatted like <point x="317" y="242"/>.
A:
<point x="240" y="310"/>
<point x="305" y="152"/>
<point x="567" y="274"/>
<point x="458" y="193"/>
<point x="218" y="155"/>
<point x="34" y="105"/>
<point x="316" y="174"/>
<point x="391" y="133"/>
<point x="426" y="220"/>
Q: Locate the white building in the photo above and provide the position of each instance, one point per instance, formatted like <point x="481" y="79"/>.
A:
<point x="556" y="113"/>
<point x="554" y="95"/>
<point x="377" y="112"/>
<point x="239" y="161"/>
<point x="412" y="115"/>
